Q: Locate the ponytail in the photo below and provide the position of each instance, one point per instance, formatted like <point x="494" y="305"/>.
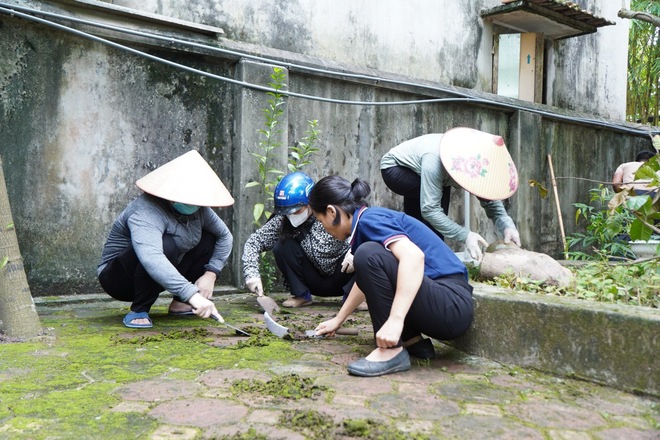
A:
<point x="337" y="191"/>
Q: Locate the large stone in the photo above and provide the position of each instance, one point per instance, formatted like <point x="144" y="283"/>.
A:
<point x="524" y="264"/>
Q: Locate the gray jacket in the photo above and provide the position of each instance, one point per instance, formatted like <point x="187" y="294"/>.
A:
<point x="142" y="226"/>
<point x="422" y="155"/>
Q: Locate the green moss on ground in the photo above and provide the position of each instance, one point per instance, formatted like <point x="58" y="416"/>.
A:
<point x="289" y="386"/>
<point x="64" y="386"/>
<point x="314" y="424"/>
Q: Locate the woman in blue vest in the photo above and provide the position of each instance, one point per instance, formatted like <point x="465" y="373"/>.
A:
<point x="412" y="281"/>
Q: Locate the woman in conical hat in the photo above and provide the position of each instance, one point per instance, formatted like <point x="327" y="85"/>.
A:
<point x="423" y="169"/>
<point x="170" y="239"/>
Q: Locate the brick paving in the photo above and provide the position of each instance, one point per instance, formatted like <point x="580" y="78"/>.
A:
<point x="455" y="396"/>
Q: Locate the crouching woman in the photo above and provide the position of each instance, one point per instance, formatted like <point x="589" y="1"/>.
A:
<point x="413" y="283"/>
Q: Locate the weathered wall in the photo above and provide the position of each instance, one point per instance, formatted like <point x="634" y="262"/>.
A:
<point x="589" y="72"/>
<point x="438" y="40"/>
<point x="82" y="121"/>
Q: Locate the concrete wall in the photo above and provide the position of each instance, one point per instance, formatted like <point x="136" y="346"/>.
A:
<point x="81" y="121"/>
<point x="583" y="77"/>
<point x="437" y="40"/>
<point x="611" y="344"/>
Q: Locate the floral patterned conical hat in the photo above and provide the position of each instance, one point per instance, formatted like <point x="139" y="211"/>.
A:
<point x="479" y="162"/>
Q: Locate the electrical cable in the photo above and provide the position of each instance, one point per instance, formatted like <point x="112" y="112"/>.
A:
<point x="225" y="79"/>
<point x="462" y="97"/>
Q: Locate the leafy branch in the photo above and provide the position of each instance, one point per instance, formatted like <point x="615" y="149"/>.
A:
<point x="268" y="176"/>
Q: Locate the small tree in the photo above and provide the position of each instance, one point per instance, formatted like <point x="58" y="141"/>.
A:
<point x="17" y="311"/>
<point x="643" y="102"/>
<point x="269" y="176"/>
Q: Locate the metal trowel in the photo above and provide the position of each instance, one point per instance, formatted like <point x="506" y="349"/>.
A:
<point x="339" y="331"/>
<point x="275" y="328"/>
<point x="267" y="304"/>
<point x="236" y="329"/>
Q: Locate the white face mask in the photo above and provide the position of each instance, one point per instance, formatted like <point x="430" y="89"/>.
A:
<point x="298" y="219"/>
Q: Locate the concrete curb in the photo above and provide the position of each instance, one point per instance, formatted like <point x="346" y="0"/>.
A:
<point x="611" y="344"/>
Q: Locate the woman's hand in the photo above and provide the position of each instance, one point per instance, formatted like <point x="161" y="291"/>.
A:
<point x="389" y="334"/>
<point x="205" y="284"/>
<point x="254" y="285"/>
<point x="511" y="235"/>
<point x="474" y="244"/>
<point x="328" y="327"/>
<point x="203" y="307"/>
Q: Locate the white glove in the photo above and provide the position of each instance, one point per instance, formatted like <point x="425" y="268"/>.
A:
<point x="254" y="285"/>
<point x="347" y="264"/>
<point x="511" y="235"/>
<point x="474" y="244"/>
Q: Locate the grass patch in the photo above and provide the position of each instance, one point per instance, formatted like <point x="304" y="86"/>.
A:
<point x="314" y="424"/>
<point x="635" y="283"/>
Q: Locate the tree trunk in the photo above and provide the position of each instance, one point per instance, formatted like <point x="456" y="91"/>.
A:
<point x="17" y="311"/>
<point x="642" y="16"/>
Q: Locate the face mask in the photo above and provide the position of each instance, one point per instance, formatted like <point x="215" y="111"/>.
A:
<point x="184" y="209"/>
<point x="298" y="219"/>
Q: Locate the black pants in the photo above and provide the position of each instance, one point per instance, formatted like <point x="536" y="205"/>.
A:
<point x="302" y="276"/>
<point x="125" y="279"/>
<point x="442" y="309"/>
<point x="407" y="183"/>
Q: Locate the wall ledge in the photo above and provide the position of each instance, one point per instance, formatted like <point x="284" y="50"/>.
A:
<point x="612" y="344"/>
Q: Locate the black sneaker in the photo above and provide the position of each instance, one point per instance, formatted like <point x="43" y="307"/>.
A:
<point x="422" y="349"/>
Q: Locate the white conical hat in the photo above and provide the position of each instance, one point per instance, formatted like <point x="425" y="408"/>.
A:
<point x="479" y="162"/>
<point x="187" y="179"/>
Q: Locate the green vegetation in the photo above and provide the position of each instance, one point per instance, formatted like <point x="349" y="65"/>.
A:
<point x="268" y="175"/>
<point x="606" y="231"/>
<point x="635" y="283"/>
<point x="644" y="66"/>
<point x="290" y="387"/>
<point x="250" y="434"/>
<point x="299" y="156"/>
<point x="313" y="424"/>
<point x="644" y="209"/>
<point x="65" y="385"/>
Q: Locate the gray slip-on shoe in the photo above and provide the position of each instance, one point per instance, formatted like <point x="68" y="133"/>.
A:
<point x="365" y="368"/>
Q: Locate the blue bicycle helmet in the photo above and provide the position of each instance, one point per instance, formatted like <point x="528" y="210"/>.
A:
<point x="292" y="193"/>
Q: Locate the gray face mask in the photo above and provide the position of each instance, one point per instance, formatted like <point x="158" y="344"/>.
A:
<point x="298" y="219"/>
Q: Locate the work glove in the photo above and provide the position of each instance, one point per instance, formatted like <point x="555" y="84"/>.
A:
<point x="511" y="235"/>
<point x="347" y="264"/>
<point x="254" y="285"/>
<point x="474" y="243"/>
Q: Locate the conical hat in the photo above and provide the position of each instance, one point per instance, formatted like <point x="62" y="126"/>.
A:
<point x="479" y="162"/>
<point x="187" y="179"/>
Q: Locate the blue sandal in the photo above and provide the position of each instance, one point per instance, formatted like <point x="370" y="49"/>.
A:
<point x="137" y="315"/>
